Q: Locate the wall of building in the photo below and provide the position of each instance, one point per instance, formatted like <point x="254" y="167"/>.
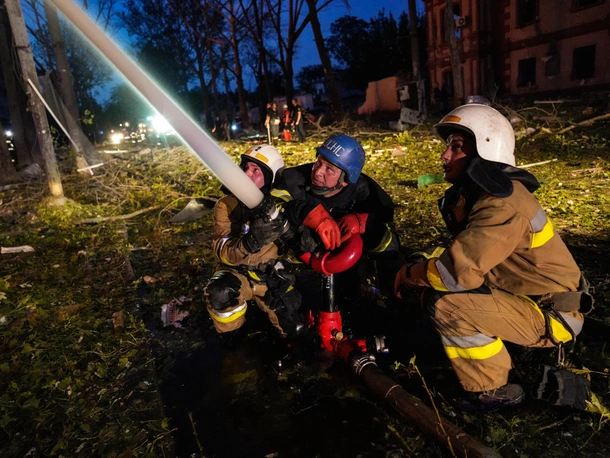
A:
<point x="557" y="31"/>
<point x="493" y="43"/>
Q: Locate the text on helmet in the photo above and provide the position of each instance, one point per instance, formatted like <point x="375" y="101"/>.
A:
<point x="333" y="147"/>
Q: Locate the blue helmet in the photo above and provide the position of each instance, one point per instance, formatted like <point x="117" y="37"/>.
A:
<point x="346" y="153"/>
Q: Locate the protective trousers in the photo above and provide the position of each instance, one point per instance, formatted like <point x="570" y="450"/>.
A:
<point x="233" y="318"/>
<point x="473" y="327"/>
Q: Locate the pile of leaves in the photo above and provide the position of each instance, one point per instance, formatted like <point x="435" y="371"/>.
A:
<point x="79" y="315"/>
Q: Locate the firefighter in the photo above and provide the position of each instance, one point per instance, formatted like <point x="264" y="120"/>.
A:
<point x="298" y="119"/>
<point x="330" y="199"/>
<point x="247" y="257"/>
<point x="506" y="275"/>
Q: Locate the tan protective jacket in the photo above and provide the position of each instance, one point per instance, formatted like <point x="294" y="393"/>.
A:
<point x="508" y="243"/>
<point x="230" y="224"/>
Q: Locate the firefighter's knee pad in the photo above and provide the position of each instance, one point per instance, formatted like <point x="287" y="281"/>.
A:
<point x="223" y="290"/>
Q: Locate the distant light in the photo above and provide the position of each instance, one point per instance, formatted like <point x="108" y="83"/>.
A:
<point x="126" y="124"/>
<point x="8" y="133"/>
<point x="161" y="125"/>
<point x="116" y="138"/>
<point x="234" y="127"/>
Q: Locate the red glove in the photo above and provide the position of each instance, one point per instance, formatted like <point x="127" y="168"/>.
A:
<point x="320" y="220"/>
<point x="352" y="223"/>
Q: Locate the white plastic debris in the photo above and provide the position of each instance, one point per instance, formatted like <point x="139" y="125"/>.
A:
<point x="170" y="315"/>
<point x="16" y="249"/>
<point x="398" y="152"/>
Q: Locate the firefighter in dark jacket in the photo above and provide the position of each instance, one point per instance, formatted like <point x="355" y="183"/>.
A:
<point x="247" y="257"/>
<point x="332" y="199"/>
<point x="507" y="275"/>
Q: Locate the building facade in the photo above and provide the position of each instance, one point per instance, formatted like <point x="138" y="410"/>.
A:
<point x="522" y="47"/>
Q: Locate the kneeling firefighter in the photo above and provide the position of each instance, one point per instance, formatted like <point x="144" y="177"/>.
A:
<point x="506" y="275"/>
<point x="248" y="268"/>
<point x="332" y="199"/>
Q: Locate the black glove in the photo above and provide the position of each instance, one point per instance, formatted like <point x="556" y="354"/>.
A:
<point x="263" y="231"/>
<point x="282" y="295"/>
<point x="265" y="208"/>
<point x="301" y="240"/>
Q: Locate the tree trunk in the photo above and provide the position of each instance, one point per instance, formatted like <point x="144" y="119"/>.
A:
<point x="205" y="96"/>
<point x="333" y="92"/>
<point x="14" y="92"/>
<point x="454" y="54"/>
<point x="415" y="59"/>
<point x="66" y="84"/>
<point x="22" y="43"/>
<point x="414" y="38"/>
<point x="64" y="76"/>
<point x="239" y="79"/>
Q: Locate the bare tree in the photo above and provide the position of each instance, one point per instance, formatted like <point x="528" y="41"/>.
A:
<point x="28" y="71"/>
<point x="233" y="34"/>
<point x="333" y="92"/>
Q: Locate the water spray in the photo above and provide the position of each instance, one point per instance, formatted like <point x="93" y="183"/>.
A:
<point x="206" y="149"/>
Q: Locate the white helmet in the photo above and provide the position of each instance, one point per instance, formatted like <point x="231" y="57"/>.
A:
<point x="494" y="134"/>
<point x="265" y="156"/>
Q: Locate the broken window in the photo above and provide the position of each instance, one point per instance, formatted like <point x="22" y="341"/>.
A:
<point x="583" y="62"/>
<point x="527" y="72"/>
<point x="527" y="12"/>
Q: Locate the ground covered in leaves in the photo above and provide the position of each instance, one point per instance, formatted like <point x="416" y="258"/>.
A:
<point x="87" y="369"/>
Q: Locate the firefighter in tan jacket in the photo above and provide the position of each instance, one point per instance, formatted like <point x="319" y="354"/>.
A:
<point x="507" y="275"/>
<point x="247" y="257"/>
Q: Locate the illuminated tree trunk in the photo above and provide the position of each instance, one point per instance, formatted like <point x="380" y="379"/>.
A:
<point x="28" y="71"/>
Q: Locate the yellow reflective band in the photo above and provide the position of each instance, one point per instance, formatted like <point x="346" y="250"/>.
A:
<point x="437" y="252"/>
<point x="260" y="157"/>
<point x="253" y="275"/>
<point x="290" y="288"/>
<point x="543" y="236"/>
<point x="232" y="316"/>
<point x="385" y="241"/>
<point x="560" y="333"/>
<point x="484" y="352"/>
<point x="451" y="118"/>
<point x="434" y="277"/>
<point x="281" y="194"/>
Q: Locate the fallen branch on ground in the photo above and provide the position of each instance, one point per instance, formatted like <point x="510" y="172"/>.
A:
<point x="99" y="219"/>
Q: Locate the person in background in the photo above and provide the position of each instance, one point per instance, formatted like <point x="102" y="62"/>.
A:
<point x="298" y="120"/>
<point x="217" y="129"/>
<point x="247" y="253"/>
<point x="507" y="275"/>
